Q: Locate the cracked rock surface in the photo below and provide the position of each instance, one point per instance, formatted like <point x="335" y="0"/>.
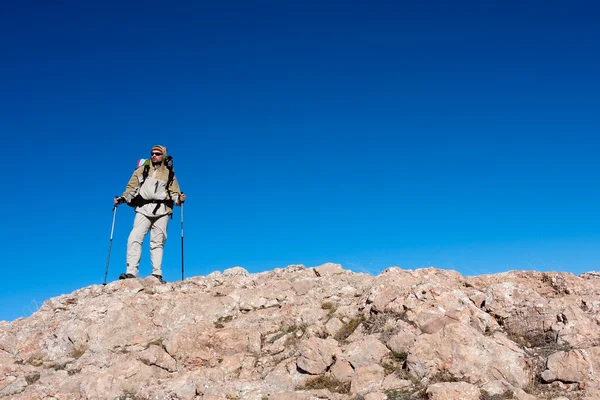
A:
<point x="312" y="333"/>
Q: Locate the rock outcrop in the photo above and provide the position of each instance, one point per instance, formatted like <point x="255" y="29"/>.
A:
<point x="312" y="333"/>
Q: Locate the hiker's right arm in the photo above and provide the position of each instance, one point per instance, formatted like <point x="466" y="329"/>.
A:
<point x="132" y="186"/>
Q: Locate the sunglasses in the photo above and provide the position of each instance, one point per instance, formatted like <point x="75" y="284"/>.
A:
<point x="156" y="154"/>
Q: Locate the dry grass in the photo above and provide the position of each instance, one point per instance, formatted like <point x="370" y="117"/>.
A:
<point x="556" y="282"/>
<point x="77" y="352"/>
<point x="539" y="344"/>
<point x="330" y="307"/>
<point x="325" y="382"/>
<point x="486" y="396"/>
<point x="406" y="395"/>
<point x="398" y="395"/>
<point x="349" y="328"/>
<point x="533" y="338"/>
<point x="385" y="324"/>
<point x="127" y="395"/>
<point x="443" y="376"/>
<point x="31" y="379"/>
<point x="400" y="357"/>
<point x="221" y="321"/>
<point x="293" y="338"/>
<point x="276" y="337"/>
<point x="394" y="363"/>
<point x="377" y="322"/>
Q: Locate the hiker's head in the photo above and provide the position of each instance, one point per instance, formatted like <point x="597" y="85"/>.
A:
<point x="158" y="154"/>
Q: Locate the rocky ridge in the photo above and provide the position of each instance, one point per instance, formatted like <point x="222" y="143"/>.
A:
<point x="301" y="333"/>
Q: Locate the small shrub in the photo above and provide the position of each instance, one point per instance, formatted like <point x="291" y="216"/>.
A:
<point x="325" y="382"/>
<point x="330" y="307"/>
<point x="400" y="357"/>
<point x="60" y="366"/>
<point x="127" y="395"/>
<point x="537" y="341"/>
<point x="277" y="337"/>
<point x="376" y="323"/>
<point x="77" y="352"/>
<point x="295" y="328"/>
<point x="221" y="321"/>
<point x="443" y="376"/>
<point x="292" y="339"/>
<point x="396" y="395"/>
<point x="322" y="334"/>
<point x="539" y="344"/>
<point x="546" y="278"/>
<point x="31" y="379"/>
<point x="157" y="342"/>
<point x="348" y="329"/>
<point x="405" y="375"/>
<point x="228" y="318"/>
<point x="394" y="362"/>
<point x="406" y="395"/>
<point x="486" y="396"/>
<point x="389" y="368"/>
<point x="533" y="338"/>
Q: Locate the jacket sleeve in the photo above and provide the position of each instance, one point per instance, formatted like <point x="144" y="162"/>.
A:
<point x="175" y="190"/>
<point x="131" y="190"/>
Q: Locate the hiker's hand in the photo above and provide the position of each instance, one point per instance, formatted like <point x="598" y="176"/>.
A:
<point x="118" y="200"/>
<point x="181" y="198"/>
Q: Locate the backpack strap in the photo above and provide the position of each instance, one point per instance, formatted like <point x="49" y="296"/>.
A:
<point x="145" y="174"/>
<point x="170" y="181"/>
<point x="138" y="201"/>
<point x="169" y="165"/>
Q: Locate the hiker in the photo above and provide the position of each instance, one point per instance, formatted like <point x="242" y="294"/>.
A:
<point x="152" y="190"/>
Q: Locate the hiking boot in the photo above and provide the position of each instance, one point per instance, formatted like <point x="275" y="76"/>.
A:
<point x="126" y="276"/>
<point x="160" y="279"/>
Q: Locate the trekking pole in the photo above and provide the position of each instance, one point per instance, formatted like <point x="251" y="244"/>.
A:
<point x="112" y="230"/>
<point x="182" y="241"/>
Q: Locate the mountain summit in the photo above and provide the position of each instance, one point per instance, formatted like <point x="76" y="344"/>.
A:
<point x="300" y="333"/>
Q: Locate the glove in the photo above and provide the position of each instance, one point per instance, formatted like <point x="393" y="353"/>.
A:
<point x="119" y="200"/>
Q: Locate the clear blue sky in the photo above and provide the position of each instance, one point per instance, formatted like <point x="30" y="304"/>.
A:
<point x="462" y="135"/>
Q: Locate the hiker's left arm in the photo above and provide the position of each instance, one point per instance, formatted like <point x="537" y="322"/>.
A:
<point x="176" y="194"/>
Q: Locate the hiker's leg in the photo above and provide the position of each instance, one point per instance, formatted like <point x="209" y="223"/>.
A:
<point x="141" y="225"/>
<point x="158" y="237"/>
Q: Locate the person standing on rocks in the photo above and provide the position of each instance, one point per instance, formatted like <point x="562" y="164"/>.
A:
<point x="153" y="190"/>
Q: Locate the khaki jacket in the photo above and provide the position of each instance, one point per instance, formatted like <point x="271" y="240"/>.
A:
<point x="154" y="188"/>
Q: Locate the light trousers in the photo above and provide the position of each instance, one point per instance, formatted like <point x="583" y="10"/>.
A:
<point x="158" y="236"/>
